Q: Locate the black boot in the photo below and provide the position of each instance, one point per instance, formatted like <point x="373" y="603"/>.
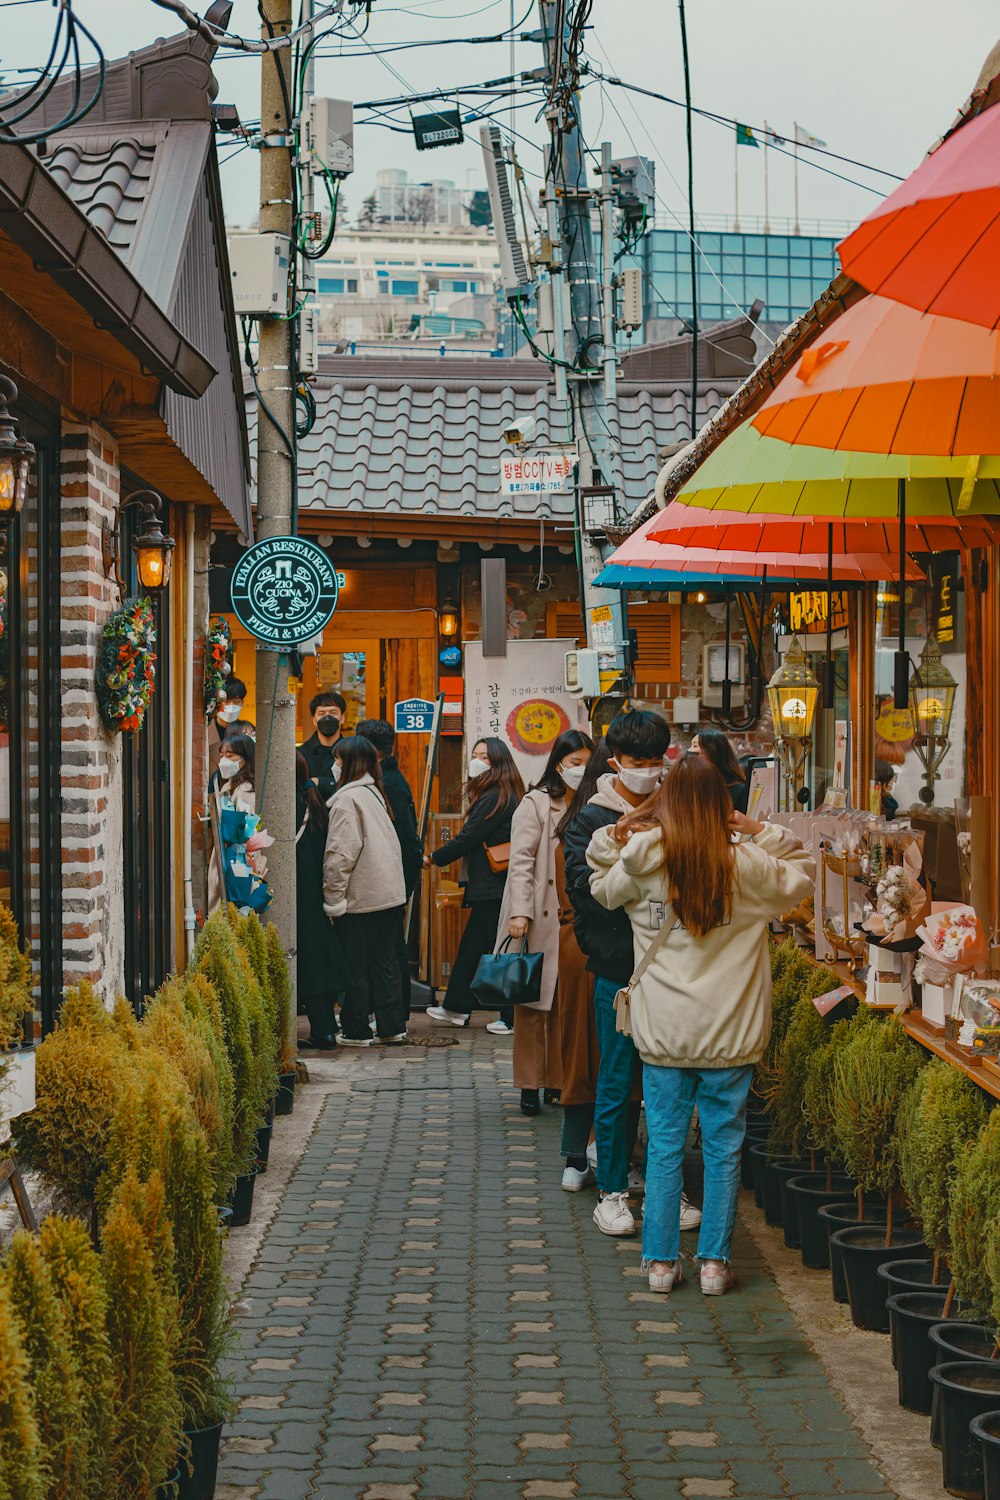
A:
<point x="552" y="1096"/>
<point x="530" y="1104"/>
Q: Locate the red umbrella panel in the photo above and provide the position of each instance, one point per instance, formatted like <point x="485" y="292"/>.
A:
<point x="750" y="532"/>
<point x="934" y="243"/>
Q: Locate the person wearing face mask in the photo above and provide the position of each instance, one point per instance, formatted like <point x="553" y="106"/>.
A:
<point x="492" y="794"/>
<point x="237" y="761"/>
<point x="327" y="712"/>
<point x="530" y="911"/>
<point x="228" y="720"/>
<point x="637" y="742"/>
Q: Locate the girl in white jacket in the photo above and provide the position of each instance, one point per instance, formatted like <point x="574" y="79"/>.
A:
<point x="701" y="1013"/>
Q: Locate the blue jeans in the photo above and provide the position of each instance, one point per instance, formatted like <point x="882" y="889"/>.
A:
<point x="671" y="1095"/>
<point x="614" y="1086"/>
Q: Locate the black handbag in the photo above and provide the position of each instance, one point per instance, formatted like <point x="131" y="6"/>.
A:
<point x="503" y="978"/>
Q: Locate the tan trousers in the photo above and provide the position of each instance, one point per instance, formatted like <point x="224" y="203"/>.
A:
<point x="537" y="1048"/>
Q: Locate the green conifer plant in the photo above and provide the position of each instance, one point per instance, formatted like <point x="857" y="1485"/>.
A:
<point x="941" y="1115"/>
<point x="281" y="992"/>
<point x="53" y="1370"/>
<point x="15" y="982"/>
<point x="218" y="959"/>
<point x="871" y="1076"/>
<point x="819" y="1091"/>
<point x="973" y="1215"/>
<point x="75" y="1268"/>
<point x="807" y="1032"/>
<point x="22" y="1475"/>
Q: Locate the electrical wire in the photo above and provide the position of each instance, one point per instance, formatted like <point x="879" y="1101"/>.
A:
<point x="219" y="37"/>
<point x="24" y="104"/>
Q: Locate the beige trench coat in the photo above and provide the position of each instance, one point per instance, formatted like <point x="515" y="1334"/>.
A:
<point x="531" y="885"/>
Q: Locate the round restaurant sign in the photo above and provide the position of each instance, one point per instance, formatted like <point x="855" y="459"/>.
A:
<point x="284" y="590"/>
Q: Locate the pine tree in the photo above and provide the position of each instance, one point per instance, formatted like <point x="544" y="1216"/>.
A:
<point x="217" y="957"/>
<point x="973" y="1214"/>
<point x="22" y="1476"/>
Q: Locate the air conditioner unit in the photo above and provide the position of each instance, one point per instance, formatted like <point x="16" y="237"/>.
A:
<point x="259" y="267"/>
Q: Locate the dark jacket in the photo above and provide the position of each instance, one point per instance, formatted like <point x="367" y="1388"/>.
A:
<point x="319" y="759"/>
<point x="404" y="817"/>
<point x="484" y="825"/>
<point x="602" y="935"/>
<point x="739" y="791"/>
<point x="321" y="966"/>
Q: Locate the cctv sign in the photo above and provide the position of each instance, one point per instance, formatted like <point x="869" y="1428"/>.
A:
<point x="537" y="473"/>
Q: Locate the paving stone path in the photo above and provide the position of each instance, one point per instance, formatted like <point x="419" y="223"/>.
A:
<point x="432" y="1318"/>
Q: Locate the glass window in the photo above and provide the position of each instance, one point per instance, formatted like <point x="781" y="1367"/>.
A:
<point x="754" y="244"/>
<point x="405" y="288"/>
<point x="332" y="284"/>
<point x="710" y="243"/>
<point x="756" y="265"/>
<point x="802" y="292"/>
<point x="799" y="249"/>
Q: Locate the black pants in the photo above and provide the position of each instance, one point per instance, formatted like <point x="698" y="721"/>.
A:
<point x="322" y="1016"/>
<point x="368" y="940"/>
<point x="478" y="938"/>
<point x="403" y="960"/>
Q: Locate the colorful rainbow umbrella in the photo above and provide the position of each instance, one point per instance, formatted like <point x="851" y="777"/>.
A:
<point x="682" y="525"/>
<point x="935" y="242"/>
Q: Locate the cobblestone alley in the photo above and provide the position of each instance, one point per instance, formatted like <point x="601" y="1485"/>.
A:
<point x="430" y="1316"/>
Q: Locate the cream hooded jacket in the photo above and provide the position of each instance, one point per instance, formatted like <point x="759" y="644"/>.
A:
<point x="704" y="1002"/>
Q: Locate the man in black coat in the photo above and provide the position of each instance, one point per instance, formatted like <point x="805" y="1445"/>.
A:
<point x="404" y="816"/>
<point x="327" y="712"/>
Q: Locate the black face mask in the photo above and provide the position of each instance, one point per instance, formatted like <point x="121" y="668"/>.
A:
<point x="329" y="725"/>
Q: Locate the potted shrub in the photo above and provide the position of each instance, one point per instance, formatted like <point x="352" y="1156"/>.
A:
<point x="16" y="1061"/>
<point x="52" y="1368"/>
<point x="973" y="1211"/>
<point x="75" y="1268"/>
<point x="807" y="1031"/>
<point x="136" y="1260"/>
<point x="20" y="1449"/>
<point x="871" y="1076"/>
<point x="218" y="959"/>
<point x="812" y="1192"/>
<point x="281" y="990"/>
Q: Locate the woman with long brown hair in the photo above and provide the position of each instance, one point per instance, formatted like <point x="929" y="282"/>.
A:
<point x="700" y="1006"/>
<point x="492" y="794"/>
<point x="715" y="747"/>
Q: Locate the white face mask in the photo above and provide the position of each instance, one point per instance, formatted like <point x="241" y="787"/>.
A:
<point x="477" y="768"/>
<point x="640" y="781"/>
<point x="228" y="766"/>
<point x="229" y="713"/>
<point x="571" y="775"/>
<point x="337" y="770"/>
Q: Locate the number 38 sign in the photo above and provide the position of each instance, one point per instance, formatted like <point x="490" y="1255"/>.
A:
<point x="415" y="716"/>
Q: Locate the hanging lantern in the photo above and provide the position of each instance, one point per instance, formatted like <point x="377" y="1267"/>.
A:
<point x="448" y="619"/>
<point x="793" y="693"/>
<point x="932" y="703"/>
<point x="153" y="548"/>
<point x="15" y="453"/>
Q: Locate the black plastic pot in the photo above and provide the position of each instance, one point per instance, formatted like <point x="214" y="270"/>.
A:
<point x="966" y="1388"/>
<point x="911" y="1315"/>
<point x="169" y="1490"/>
<point x="955" y="1340"/>
<point x="242" y="1198"/>
<point x="840" y="1216"/>
<point x="262" y="1148"/>
<point x="784" y="1171"/>
<point x="864" y="1249"/>
<point x="987" y="1429"/>
<point x="910" y="1276"/>
<point x="776" y="1169"/>
<point x="760" y="1155"/>
<point x="198" y="1474"/>
<point x="225" y="1213"/>
<point x="284" y="1099"/>
<point x="757" y="1131"/>
<point x="808" y="1193"/>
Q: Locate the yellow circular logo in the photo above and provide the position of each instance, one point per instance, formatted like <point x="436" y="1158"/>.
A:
<point x="894" y="724"/>
<point x="535" y="725"/>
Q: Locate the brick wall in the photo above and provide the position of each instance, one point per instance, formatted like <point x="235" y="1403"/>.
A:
<point x="93" y="886"/>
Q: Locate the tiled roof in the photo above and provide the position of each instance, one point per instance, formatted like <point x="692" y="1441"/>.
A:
<point x="108" y="180"/>
<point x="425" y="437"/>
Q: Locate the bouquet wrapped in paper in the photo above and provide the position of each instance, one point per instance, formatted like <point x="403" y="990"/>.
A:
<point x="954" y="940"/>
<point x="899" y="901"/>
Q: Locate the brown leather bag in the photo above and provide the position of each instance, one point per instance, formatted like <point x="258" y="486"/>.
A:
<point x="498" y="856"/>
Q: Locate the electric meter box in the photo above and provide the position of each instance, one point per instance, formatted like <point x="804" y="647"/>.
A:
<point x="331" y="136"/>
<point x="713" y="673"/>
<point x="583" y="673"/>
<point x="258" y="264"/>
<point x="308" y="351"/>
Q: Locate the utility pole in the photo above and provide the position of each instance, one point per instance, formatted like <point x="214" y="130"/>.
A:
<point x="276" y="482"/>
<point x="591" y="324"/>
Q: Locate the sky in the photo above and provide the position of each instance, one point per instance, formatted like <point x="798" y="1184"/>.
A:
<point x="877" y="80"/>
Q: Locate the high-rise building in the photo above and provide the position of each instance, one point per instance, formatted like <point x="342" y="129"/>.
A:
<point x="400" y="201"/>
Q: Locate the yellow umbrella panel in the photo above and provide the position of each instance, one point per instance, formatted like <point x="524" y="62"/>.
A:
<point x="748" y="472"/>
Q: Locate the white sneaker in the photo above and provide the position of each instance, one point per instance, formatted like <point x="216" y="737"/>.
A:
<point x="497" y="1028"/>
<point x="394" y="1041"/>
<point x="671" y="1274"/>
<point x="716" y="1277"/>
<point x="355" y="1041"/>
<point x="690" y="1216"/>
<point x="636" y="1182"/>
<point x="442" y="1017"/>
<point x="592" y="1154"/>
<point x="613" y="1215"/>
<point x="574" y="1181"/>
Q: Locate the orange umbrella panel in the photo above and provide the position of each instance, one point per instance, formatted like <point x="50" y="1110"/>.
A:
<point x="807" y="536"/>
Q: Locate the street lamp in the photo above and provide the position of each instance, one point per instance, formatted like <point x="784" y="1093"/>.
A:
<point x="16" y="453"/>
<point x="153" y="548"/>
<point x="932" y="703"/>
<point x="792" y="694"/>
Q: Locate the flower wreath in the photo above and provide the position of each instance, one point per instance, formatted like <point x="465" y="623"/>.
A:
<point x="218" y="644"/>
<point x="126" y="666"/>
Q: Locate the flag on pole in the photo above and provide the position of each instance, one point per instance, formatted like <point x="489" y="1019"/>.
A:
<point x="772" y="138"/>
<point x="803" y="138"/>
<point x="746" y="137"/>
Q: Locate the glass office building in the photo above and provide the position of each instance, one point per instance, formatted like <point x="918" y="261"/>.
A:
<point x="787" y="272"/>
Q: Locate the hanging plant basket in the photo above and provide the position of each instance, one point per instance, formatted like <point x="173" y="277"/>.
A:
<point x="218" y="645"/>
<point x="126" y="666"/>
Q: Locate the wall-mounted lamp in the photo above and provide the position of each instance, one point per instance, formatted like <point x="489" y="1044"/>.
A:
<point x="448" y="619"/>
<point x="16" y="453"/>
<point x="153" y="548"/>
<point x="932" y="703"/>
<point x="792" y="693"/>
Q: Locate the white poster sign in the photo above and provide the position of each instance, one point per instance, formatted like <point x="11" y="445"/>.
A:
<point x="548" y="473"/>
<point x="520" y="698"/>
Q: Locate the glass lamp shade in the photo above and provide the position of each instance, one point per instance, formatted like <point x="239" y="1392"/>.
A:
<point x="793" y="693"/>
<point x="932" y="693"/>
<point x="13" y="478"/>
<point x="153" y="557"/>
<point x="448" y="619"/>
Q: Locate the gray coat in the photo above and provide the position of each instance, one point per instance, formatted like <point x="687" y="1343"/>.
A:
<point x="362" y="866"/>
<point x="531" y="884"/>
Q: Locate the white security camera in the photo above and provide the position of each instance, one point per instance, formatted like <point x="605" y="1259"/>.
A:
<point x="520" y="431"/>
